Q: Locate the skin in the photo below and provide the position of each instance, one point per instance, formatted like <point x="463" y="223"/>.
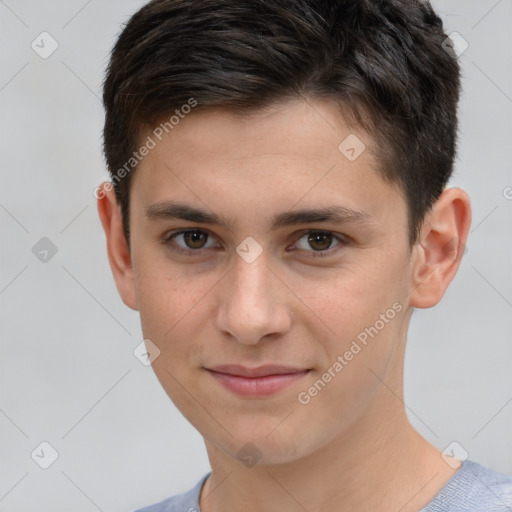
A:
<point x="351" y="447"/>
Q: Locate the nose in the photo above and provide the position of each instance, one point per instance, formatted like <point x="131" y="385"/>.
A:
<point x="253" y="303"/>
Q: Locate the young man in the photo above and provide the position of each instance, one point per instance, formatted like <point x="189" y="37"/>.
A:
<point x="279" y="208"/>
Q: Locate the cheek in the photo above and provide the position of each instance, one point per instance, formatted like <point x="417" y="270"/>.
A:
<point x="363" y="314"/>
<point x="166" y="293"/>
<point x="343" y="389"/>
<point x="348" y="301"/>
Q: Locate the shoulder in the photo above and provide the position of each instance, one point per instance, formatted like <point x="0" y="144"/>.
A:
<point x="185" y="502"/>
<point x="476" y="488"/>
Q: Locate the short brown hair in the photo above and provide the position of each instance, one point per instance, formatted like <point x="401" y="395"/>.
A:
<point x="382" y="61"/>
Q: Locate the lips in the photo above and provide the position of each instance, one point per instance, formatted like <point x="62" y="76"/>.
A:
<point x="256" y="382"/>
<point x="260" y="371"/>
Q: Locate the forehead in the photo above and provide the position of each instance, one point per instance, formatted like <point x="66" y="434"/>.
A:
<point x="296" y="128"/>
<point x="296" y="153"/>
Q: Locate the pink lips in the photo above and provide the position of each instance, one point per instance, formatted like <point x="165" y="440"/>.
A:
<point x="260" y="381"/>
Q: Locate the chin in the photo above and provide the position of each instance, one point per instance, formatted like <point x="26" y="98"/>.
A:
<point x="261" y="449"/>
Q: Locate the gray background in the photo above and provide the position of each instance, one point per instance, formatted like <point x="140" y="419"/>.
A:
<point x="68" y="373"/>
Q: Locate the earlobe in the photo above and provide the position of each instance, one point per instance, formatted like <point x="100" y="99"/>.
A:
<point x="117" y="248"/>
<point x="439" y="251"/>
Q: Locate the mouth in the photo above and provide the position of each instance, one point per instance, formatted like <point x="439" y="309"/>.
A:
<point x="256" y="382"/>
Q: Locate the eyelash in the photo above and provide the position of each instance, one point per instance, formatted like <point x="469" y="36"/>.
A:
<point x="192" y="252"/>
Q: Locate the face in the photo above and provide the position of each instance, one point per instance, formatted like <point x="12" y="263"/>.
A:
<point x="255" y="280"/>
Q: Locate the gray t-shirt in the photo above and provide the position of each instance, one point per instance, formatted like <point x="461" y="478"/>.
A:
<point x="473" y="488"/>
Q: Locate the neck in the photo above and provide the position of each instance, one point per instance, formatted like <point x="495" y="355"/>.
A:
<point x="379" y="463"/>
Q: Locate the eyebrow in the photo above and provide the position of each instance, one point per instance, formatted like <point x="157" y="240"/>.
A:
<point x="177" y="210"/>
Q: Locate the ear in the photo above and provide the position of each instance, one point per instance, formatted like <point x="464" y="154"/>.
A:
<point x="117" y="247"/>
<point x="439" y="250"/>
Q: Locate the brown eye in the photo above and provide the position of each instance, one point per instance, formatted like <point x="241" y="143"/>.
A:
<point x="319" y="241"/>
<point x="190" y="241"/>
<point x="195" y="239"/>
